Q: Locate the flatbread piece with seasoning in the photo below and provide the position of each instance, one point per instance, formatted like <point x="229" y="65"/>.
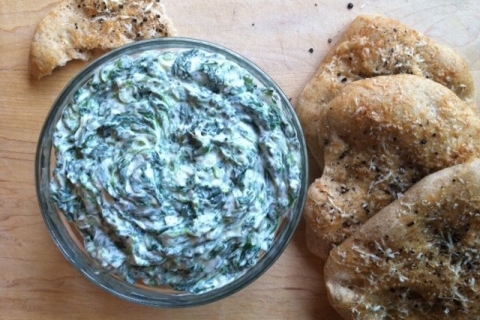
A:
<point x="418" y="258"/>
<point x="375" y="45"/>
<point x="76" y="27"/>
<point x="385" y="134"/>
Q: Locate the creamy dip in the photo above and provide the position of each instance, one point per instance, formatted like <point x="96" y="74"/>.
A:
<point x="177" y="167"/>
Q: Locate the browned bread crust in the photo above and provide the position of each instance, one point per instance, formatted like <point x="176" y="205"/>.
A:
<point x="75" y="27"/>
<point x="384" y="134"/>
<point x="374" y="46"/>
<point x="418" y="258"/>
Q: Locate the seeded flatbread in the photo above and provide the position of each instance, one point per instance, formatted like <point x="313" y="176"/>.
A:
<point x="418" y="258"/>
<point x="374" y="46"/>
<point x="75" y="27"/>
<point x="385" y="134"/>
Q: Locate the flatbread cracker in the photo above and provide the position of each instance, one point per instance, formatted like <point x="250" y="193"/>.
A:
<point x="418" y="258"/>
<point x="75" y="27"/>
<point x="385" y="134"/>
<point x="374" y="46"/>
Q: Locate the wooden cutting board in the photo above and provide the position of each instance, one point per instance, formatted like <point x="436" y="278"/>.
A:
<point x="287" y="39"/>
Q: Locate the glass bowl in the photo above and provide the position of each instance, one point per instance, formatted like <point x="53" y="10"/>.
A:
<point x="71" y="242"/>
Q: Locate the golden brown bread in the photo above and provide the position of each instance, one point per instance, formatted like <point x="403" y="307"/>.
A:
<point x="75" y="27"/>
<point x="383" y="135"/>
<point x="418" y="258"/>
<point x="374" y="46"/>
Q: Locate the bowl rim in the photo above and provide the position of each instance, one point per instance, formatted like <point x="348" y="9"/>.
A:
<point x="72" y="252"/>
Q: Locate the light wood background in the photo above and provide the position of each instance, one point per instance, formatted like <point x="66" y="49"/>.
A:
<point x="36" y="282"/>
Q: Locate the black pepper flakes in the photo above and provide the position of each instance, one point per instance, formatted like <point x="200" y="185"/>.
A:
<point x="344" y="189"/>
<point x="344" y="80"/>
<point x="343" y="155"/>
<point x="329" y="40"/>
<point x="310" y="50"/>
<point x="350" y="6"/>
<point x="366" y="208"/>
<point x="347" y="224"/>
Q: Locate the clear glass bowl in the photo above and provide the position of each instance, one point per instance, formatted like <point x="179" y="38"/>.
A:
<point x="70" y="241"/>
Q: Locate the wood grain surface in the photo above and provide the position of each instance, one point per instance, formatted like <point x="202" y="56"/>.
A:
<point x="37" y="282"/>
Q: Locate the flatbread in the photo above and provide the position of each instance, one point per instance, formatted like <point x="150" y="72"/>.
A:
<point x="75" y="27"/>
<point x="418" y="258"/>
<point x="374" y="46"/>
<point x="385" y="134"/>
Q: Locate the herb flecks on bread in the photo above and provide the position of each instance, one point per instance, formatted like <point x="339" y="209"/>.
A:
<point x="418" y="258"/>
<point x="75" y="27"/>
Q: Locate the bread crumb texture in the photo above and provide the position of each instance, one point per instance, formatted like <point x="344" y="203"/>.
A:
<point x="418" y="258"/>
<point x="75" y="27"/>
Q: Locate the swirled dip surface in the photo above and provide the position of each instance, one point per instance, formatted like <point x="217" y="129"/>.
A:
<point x="177" y="168"/>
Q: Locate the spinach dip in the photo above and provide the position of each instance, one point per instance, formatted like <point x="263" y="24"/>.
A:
<point x="177" y="167"/>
